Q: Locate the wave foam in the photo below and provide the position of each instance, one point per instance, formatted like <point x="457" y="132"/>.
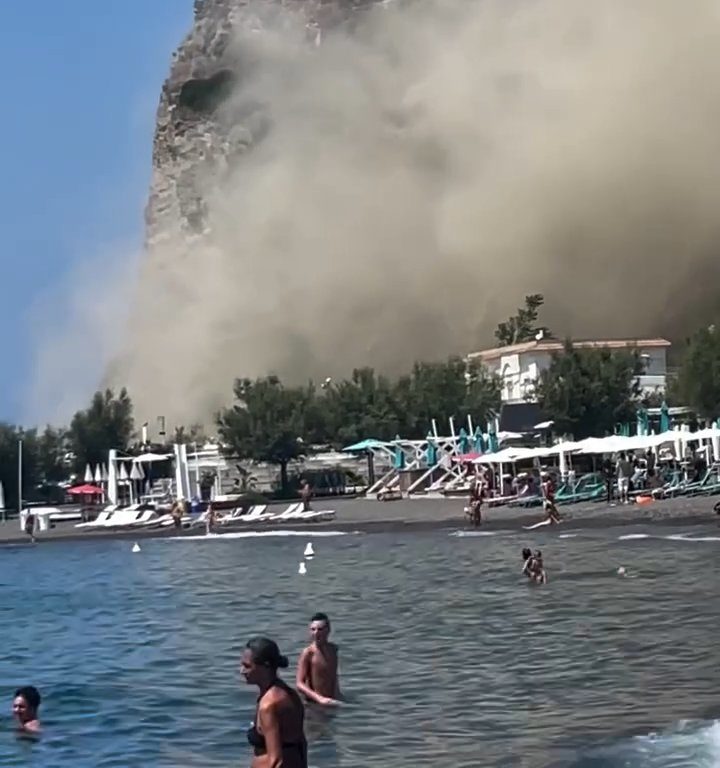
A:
<point x="465" y="534"/>
<point x="632" y="536"/>
<point x="258" y="534"/>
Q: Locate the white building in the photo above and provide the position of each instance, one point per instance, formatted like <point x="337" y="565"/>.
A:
<point x="519" y="365"/>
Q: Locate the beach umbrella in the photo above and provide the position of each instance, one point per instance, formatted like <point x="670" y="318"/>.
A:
<point x="493" y="445"/>
<point x="431" y="455"/>
<point x="642" y="421"/>
<point x="479" y="441"/>
<point x="463" y="442"/>
<point x="151" y="458"/>
<point x="85" y="490"/>
<point x="98" y="474"/>
<point x="399" y="458"/>
<point x="135" y="473"/>
<point x="88" y="474"/>
<point x="123" y="475"/>
<point x="2" y="496"/>
<point x="664" y="417"/>
<point x="104" y="474"/>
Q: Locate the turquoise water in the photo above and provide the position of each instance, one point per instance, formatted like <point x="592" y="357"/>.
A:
<point x="447" y="656"/>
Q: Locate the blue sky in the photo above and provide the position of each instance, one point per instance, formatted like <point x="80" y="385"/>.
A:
<point x="80" y="86"/>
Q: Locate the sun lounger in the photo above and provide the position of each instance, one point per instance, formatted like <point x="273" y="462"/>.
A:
<point x="287" y="514"/>
<point x="100" y="520"/>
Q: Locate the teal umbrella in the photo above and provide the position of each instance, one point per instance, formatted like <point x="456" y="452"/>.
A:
<point x="463" y="442"/>
<point x="665" y="424"/>
<point x="431" y="456"/>
<point x="493" y="445"/>
<point x="399" y="460"/>
<point x="643" y="426"/>
<point x="479" y="441"/>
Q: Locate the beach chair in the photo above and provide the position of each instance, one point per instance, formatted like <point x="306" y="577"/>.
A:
<point x="287" y="514"/>
<point x="100" y="520"/>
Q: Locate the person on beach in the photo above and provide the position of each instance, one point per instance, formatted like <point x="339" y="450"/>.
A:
<point x="30" y="526"/>
<point x="305" y="495"/>
<point x="548" y="494"/>
<point x="209" y="520"/>
<point x="317" y="673"/>
<point x="277" y="735"/>
<point x="623" y="471"/>
<point x="177" y="512"/>
<point x="608" y="471"/>
<point x="25" y="709"/>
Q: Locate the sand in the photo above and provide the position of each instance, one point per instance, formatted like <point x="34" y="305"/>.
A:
<point x="420" y="514"/>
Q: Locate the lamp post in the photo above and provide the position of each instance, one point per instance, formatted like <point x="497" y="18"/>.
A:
<point x="20" y="473"/>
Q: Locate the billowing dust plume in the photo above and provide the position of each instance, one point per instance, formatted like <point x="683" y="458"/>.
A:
<point x="406" y="183"/>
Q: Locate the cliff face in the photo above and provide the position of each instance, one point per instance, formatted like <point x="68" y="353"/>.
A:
<point x="196" y="133"/>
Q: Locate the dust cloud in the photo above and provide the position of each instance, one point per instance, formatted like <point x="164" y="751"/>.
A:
<point x="417" y="176"/>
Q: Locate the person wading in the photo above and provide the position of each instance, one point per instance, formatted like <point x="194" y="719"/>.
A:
<point x="277" y="736"/>
<point x="317" y="674"/>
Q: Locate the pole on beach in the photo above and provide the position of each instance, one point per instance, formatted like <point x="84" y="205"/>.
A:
<point x="20" y="477"/>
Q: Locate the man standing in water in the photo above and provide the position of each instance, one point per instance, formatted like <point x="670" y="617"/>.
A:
<point x="317" y="673"/>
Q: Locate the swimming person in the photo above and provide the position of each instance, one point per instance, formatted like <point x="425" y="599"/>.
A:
<point x="317" y="674"/>
<point x="278" y="734"/>
<point x="533" y="566"/>
<point x="25" y="709"/>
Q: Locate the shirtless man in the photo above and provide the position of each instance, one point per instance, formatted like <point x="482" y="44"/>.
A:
<point x="317" y="673"/>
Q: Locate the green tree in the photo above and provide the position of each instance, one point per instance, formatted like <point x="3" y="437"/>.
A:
<point x="52" y="448"/>
<point x="107" y="423"/>
<point x="268" y="422"/>
<point x="698" y="380"/>
<point x="586" y="392"/>
<point x="441" y="390"/>
<point x="359" y="407"/>
<point x="523" y="325"/>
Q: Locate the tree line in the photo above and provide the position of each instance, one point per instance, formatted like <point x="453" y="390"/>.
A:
<point x="584" y="391"/>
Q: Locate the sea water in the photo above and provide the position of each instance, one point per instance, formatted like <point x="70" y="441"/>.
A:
<point x="448" y="657"/>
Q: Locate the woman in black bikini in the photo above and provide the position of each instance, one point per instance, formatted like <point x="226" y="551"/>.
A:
<point x="277" y="736"/>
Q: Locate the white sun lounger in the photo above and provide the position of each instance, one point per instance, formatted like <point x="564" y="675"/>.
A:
<point x="100" y="520"/>
<point x="313" y="515"/>
<point x="288" y="514"/>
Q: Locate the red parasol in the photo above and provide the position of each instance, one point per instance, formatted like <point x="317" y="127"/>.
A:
<point x="86" y="490"/>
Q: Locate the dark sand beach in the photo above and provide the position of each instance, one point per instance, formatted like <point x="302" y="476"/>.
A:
<point x="416" y="515"/>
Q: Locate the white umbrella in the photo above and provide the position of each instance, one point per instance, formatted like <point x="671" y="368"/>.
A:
<point x="88" y="474"/>
<point x="135" y="472"/>
<point x="2" y="496"/>
<point x="98" y="474"/>
<point x="104" y="473"/>
<point x="123" y="475"/>
<point x="149" y="458"/>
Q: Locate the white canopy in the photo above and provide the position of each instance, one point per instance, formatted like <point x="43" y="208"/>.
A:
<point x="148" y="458"/>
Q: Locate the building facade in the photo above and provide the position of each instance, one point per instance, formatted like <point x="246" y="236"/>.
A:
<point x="519" y="366"/>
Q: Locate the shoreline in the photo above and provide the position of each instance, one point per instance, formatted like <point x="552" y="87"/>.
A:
<point x="416" y="516"/>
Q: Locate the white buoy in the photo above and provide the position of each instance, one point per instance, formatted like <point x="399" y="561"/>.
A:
<point x="302" y="570"/>
<point x="309" y="551"/>
<point x="136" y="547"/>
<point x="621" y="571"/>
